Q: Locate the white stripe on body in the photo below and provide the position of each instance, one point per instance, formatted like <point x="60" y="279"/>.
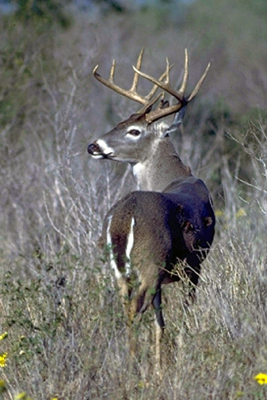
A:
<point x="113" y="264"/>
<point x="129" y="247"/>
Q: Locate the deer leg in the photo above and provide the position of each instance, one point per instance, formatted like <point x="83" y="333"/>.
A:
<point x="124" y="292"/>
<point x="137" y="307"/>
<point x="159" y="329"/>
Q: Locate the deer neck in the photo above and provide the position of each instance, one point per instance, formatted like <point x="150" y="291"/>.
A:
<point x="161" y="168"/>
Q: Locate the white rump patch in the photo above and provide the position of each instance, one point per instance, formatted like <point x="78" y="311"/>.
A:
<point x="129" y="247"/>
<point x="106" y="150"/>
<point x="111" y="254"/>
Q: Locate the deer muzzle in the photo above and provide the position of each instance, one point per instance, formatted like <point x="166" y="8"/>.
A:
<point x="99" y="149"/>
<point x="94" y="149"/>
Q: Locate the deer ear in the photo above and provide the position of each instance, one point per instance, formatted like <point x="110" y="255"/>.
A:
<point x="176" y="121"/>
<point x="169" y="123"/>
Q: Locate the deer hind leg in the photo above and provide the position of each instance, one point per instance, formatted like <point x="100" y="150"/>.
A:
<point x="137" y="306"/>
<point x="124" y="292"/>
<point x="148" y="293"/>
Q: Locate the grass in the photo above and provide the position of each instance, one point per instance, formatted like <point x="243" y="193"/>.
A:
<point x="71" y="332"/>
<point x="66" y="334"/>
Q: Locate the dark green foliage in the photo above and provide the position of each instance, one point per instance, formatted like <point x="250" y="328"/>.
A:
<point x="40" y="12"/>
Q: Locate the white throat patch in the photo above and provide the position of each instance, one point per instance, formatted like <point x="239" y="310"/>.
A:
<point x="138" y="169"/>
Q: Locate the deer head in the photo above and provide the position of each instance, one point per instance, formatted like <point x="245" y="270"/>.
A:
<point x="135" y="139"/>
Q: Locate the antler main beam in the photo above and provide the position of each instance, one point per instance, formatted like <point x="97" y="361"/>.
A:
<point x="132" y="93"/>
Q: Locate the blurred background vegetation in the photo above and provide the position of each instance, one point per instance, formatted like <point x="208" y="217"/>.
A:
<point x="55" y="293"/>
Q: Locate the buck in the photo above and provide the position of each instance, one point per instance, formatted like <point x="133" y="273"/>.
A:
<point x="169" y="221"/>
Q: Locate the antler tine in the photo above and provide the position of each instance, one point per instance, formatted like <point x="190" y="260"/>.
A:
<point x="179" y="95"/>
<point x="112" y="71"/>
<point x="166" y="74"/>
<point x="138" y="66"/>
<point x="110" y="84"/>
<point x="167" y="80"/>
<point x="186" y="74"/>
<point x="132" y="94"/>
<point x="199" y="84"/>
<point x="163" y="85"/>
<point x="150" y="95"/>
<point x="161" y="78"/>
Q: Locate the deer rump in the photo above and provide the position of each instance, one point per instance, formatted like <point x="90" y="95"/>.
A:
<point x="164" y="229"/>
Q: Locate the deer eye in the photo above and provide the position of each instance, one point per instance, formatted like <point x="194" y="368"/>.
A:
<point x="134" y="132"/>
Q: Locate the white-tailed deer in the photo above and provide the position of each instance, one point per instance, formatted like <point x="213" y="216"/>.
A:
<point x="170" y="220"/>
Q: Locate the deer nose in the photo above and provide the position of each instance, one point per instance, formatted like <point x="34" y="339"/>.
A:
<point x="93" y="148"/>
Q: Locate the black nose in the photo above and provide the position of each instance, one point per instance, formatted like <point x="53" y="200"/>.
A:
<point x="93" y="148"/>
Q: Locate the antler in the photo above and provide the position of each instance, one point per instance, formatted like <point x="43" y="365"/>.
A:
<point x="179" y="95"/>
<point x="163" y="82"/>
<point x="132" y="94"/>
